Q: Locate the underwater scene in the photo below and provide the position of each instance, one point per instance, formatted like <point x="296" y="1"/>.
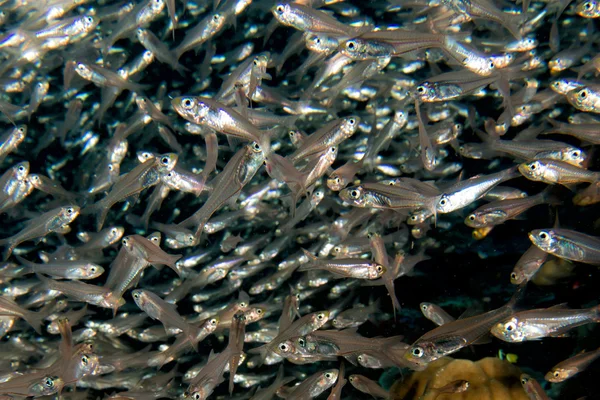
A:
<point x="311" y="199"/>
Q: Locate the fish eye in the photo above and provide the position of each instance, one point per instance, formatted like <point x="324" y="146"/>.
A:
<point x="510" y="326"/>
<point x="582" y="94"/>
<point x="110" y="167"/>
<point x="354" y="194"/>
<point x="328" y="375"/>
<point x="280" y="9"/>
<point x="70" y="211"/>
<point x="543" y="235"/>
<point x="284" y="347"/>
<point x="492" y="66"/>
<point x="213" y="321"/>
<point x="575" y="154"/>
<point x="89" y="20"/>
<point x="170" y="175"/>
<point x="84" y="359"/>
<point x="93" y="269"/>
<point x="21" y="130"/>
<point x="49" y="383"/>
<point x="21" y="168"/>
<point x="421" y="89"/>
<point x="417" y="352"/>
<point x="256" y="146"/>
<point x="556" y="374"/>
<point x="301" y="342"/>
<point x="136" y="295"/>
<point x="379" y="268"/>
<point x="587" y="6"/>
<point x="196" y="396"/>
<point x="259" y="311"/>
<point x="472" y="217"/>
<point x="351" y="379"/>
<point x="320" y="316"/>
<point x="524" y="381"/>
<point x="243" y="304"/>
<point x="187" y="103"/>
<point x="359" y="358"/>
<point x="216" y="17"/>
<point x="443" y="202"/>
<point x="533" y="166"/>
<point x="352" y="121"/>
<point x="165" y="160"/>
<point x="513" y="276"/>
<point x="351" y="45"/>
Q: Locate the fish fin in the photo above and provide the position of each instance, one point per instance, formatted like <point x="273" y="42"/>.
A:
<point x="517" y="296"/>
<point x="34" y="319"/>
<point x="389" y="285"/>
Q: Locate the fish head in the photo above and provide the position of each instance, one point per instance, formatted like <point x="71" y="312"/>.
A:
<point x="142" y="35"/>
<point x="138" y="297"/>
<point x="336" y="182"/>
<point x="91" y="271"/>
<point x="444" y="204"/>
<point x="69" y="213"/>
<point x="285" y="348"/>
<point x="588" y="9"/>
<point x="328" y="378"/>
<point x="349" y="125"/>
<point x="284" y="13"/>
<point x="558" y="374"/>
<point x="509" y="330"/>
<point x="90" y="23"/>
<point x="255" y="313"/>
<point x="425" y="92"/>
<point x="190" y="108"/>
<point x="166" y="162"/>
<point x="420" y="354"/>
<point x="573" y="156"/>
<point x="83" y="70"/>
<point x="319" y="42"/>
<point x="354" y="195"/>
<point x="359" y="49"/>
<point x="216" y="22"/>
<point x="46" y="386"/>
<point x="21" y="172"/>
<point x="157" y="5"/>
<point x="377" y="271"/>
<point x="532" y="170"/>
<point x="114" y="234"/>
<point x="85" y="365"/>
<point x="580" y="98"/>
<point x="544" y="239"/>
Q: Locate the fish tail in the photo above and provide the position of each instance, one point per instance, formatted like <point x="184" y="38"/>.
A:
<point x="389" y="285"/>
<point x="8" y="251"/>
<point x="34" y="319"/>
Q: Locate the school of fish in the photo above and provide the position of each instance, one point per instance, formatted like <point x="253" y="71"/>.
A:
<point x="211" y="199"/>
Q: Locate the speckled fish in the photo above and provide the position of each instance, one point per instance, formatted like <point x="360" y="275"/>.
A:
<point x="557" y="172"/>
<point x="346" y="268"/>
<point x="547" y="322"/>
<point x="132" y="184"/>
<point x="567" y="244"/>
<point x="56" y="220"/>
<point x="311" y="387"/>
<point x="572" y="366"/>
<point x="532" y="388"/>
<point x="453" y="336"/>
<point x="498" y="212"/>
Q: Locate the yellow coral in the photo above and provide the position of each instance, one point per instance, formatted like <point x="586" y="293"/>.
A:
<point x="489" y="379"/>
